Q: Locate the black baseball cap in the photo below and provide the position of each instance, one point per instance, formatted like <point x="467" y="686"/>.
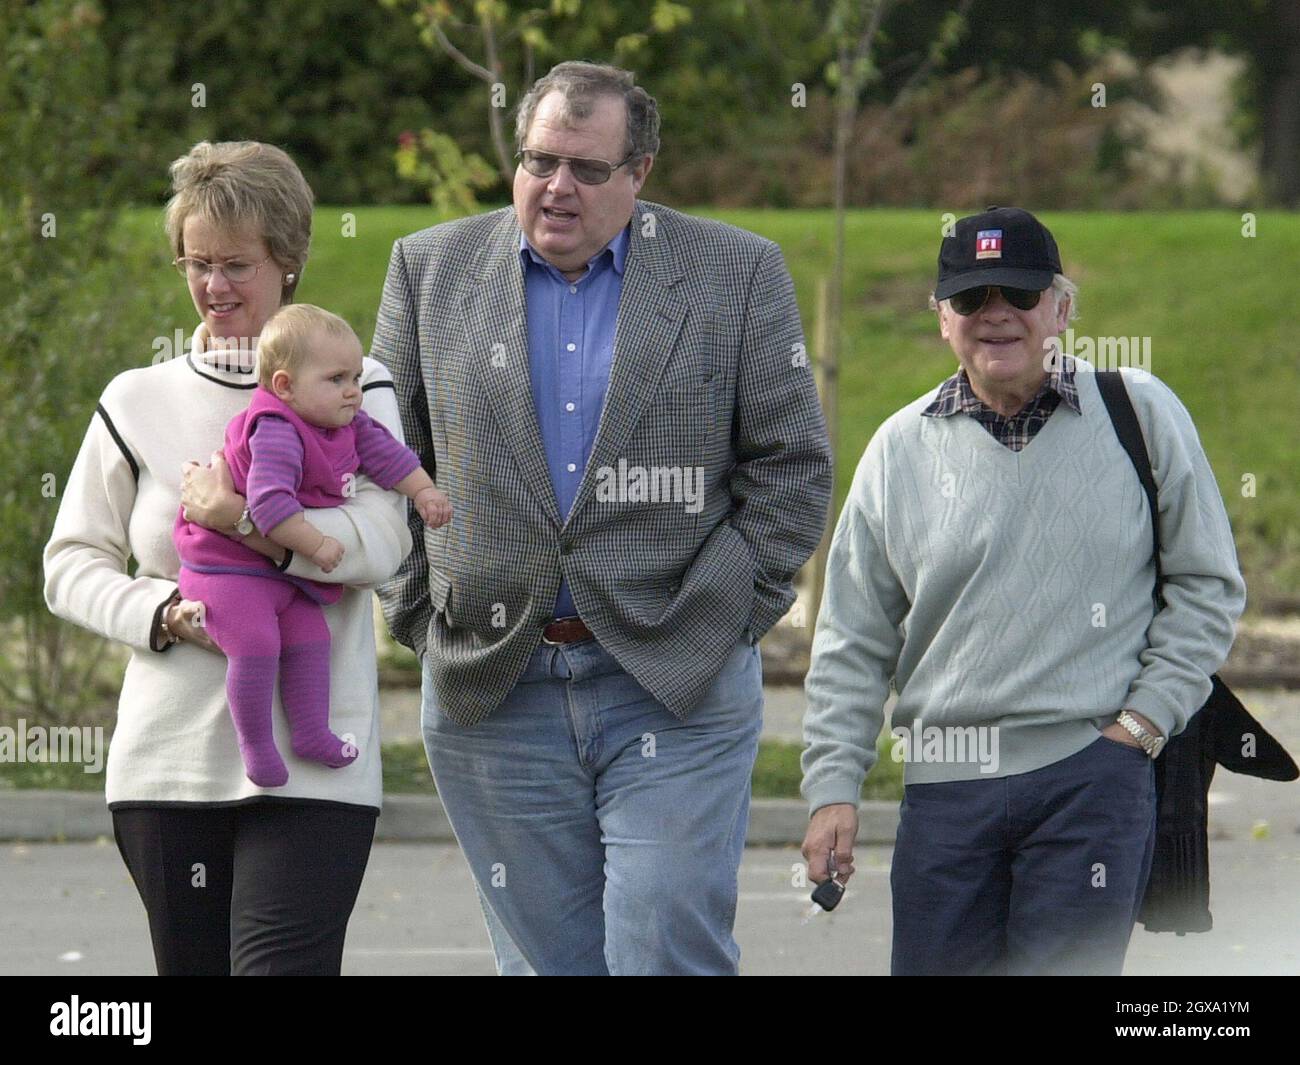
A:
<point x="1002" y="246"/>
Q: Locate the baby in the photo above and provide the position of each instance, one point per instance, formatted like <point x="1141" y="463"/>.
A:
<point x="299" y="444"/>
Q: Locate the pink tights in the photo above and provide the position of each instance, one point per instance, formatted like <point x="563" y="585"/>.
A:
<point x="266" y="625"/>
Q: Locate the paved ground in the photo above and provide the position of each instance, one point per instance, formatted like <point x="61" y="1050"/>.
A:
<point x="71" y="908"/>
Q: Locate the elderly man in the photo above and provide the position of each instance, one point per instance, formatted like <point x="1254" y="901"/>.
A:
<point x="993" y="561"/>
<point x="615" y="397"/>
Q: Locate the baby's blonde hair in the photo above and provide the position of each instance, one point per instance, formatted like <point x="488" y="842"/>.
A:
<point x="285" y="341"/>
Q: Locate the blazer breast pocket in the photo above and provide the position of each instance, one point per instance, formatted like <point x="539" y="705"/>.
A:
<point x="689" y="368"/>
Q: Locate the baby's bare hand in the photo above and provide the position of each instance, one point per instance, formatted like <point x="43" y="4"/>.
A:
<point x="329" y="554"/>
<point x="434" y="507"/>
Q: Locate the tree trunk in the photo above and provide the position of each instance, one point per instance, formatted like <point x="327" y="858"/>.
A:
<point x="1281" y="104"/>
<point x="494" y="112"/>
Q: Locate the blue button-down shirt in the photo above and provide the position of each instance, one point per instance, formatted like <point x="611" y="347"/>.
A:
<point x="570" y="349"/>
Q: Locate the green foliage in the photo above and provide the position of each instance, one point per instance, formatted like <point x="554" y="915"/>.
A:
<point x="777" y="772"/>
<point x="406" y="769"/>
<point x="406" y="772"/>
<point x="499" y="43"/>
<point x="335" y="82"/>
<point x="629" y="46"/>
<point x="58" y="776"/>
<point x="435" y="162"/>
<point x="70" y="316"/>
<point x="666" y="17"/>
<point x="1032" y="37"/>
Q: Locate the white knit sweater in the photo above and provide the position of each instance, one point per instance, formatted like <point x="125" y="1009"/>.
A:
<point x="174" y="741"/>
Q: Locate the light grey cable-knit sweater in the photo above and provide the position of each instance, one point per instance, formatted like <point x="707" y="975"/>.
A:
<point x="1011" y="592"/>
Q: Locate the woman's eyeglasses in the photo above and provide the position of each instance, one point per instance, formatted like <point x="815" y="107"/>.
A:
<point x="972" y="299"/>
<point x="586" y="171"/>
<point x="235" y="272"/>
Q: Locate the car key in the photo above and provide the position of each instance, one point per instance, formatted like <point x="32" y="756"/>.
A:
<point x="828" y="893"/>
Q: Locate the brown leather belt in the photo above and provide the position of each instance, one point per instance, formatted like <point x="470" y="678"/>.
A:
<point x="566" y="630"/>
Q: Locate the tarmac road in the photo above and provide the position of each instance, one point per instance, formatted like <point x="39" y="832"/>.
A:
<point x="71" y="908"/>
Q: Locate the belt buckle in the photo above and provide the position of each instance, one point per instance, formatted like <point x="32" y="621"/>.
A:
<point x="557" y="643"/>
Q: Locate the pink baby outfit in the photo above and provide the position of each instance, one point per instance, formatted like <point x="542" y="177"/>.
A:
<point x="264" y="620"/>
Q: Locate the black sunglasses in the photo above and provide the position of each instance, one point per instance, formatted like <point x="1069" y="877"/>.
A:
<point x="971" y="300"/>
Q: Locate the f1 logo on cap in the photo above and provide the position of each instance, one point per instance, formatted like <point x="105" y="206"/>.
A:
<point x="988" y="244"/>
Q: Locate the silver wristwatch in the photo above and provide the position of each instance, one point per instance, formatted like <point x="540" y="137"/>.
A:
<point x="164" y="630"/>
<point x="244" y="526"/>
<point x="1151" y="744"/>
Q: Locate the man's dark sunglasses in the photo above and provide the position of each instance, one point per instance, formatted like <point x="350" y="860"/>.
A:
<point x="586" y="171"/>
<point x="972" y="299"/>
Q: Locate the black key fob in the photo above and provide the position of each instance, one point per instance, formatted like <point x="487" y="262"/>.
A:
<point x="828" y="894"/>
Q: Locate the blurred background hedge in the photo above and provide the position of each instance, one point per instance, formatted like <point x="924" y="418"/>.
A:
<point x="336" y="82"/>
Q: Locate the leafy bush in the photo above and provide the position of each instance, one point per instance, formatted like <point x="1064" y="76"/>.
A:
<point x="77" y="301"/>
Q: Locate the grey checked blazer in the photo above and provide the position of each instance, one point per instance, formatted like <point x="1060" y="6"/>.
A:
<point x="708" y="371"/>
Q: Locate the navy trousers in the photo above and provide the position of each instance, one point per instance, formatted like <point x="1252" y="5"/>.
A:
<point x="1040" y="873"/>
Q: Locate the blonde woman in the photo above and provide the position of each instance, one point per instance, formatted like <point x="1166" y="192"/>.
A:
<point x="235" y="879"/>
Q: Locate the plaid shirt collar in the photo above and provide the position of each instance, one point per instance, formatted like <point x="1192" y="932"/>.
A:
<point x="955" y="396"/>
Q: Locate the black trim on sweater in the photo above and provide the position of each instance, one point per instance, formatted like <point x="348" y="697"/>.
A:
<point x="221" y="804"/>
<point x="157" y="620"/>
<point x="189" y="359"/>
<point x="121" y="444"/>
<point x="379" y="384"/>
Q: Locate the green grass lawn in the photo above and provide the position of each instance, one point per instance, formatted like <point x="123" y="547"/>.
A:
<point x="406" y="772"/>
<point x="1218" y="307"/>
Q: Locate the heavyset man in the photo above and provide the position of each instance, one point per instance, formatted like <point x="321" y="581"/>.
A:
<point x="615" y="397"/>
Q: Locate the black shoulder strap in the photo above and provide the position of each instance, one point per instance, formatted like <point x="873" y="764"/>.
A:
<point x="1123" y="417"/>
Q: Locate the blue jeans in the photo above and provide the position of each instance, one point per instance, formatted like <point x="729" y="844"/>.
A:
<point x="1034" y="874"/>
<point x="604" y="833"/>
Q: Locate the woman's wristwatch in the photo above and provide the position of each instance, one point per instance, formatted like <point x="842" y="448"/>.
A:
<point x="166" y="636"/>
<point x="165" y="630"/>
<point x="1151" y="744"/>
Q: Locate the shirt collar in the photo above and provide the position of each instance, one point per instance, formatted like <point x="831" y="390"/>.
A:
<point x="955" y="395"/>
<point x="1061" y="382"/>
<point x="617" y="248"/>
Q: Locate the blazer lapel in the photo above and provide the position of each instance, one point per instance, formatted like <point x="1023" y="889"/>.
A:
<point x="650" y="316"/>
<point x="496" y="324"/>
